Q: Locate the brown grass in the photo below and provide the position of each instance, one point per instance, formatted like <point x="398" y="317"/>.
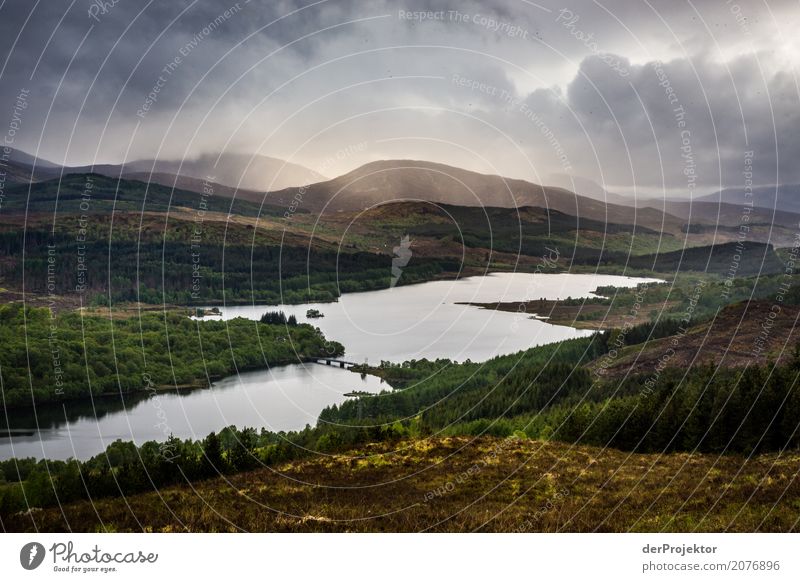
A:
<point x="494" y="485"/>
<point x="729" y="340"/>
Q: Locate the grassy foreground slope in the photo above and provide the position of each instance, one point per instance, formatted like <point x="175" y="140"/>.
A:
<point x="462" y="484"/>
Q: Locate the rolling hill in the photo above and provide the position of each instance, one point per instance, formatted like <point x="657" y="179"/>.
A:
<point x="250" y="172"/>
<point x="734" y="338"/>
<point x="782" y="197"/>
<point x="195" y="185"/>
<point x="20" y="173"/>
<point x="105" y="194"/>
<point x="410" y="180"/>
<point x="248" y="178"/>
<point x="247" y="175"/>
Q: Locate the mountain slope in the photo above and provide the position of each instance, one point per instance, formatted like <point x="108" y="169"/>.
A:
<point x="106" y="195"/>
<point x="725" y="214"/>
<point x="250" y="172"/>
<point x="734" y="338"/>
<point x="394" y="180"/>
<point x="21" y="157"/>
<point x="783" y="197"/>
<point x="745" y="259"/>
<point x="197" y="185"/>
<point x="21" y="173"/>
<point x="456" y="485"/>
<point x="589" y="189"/>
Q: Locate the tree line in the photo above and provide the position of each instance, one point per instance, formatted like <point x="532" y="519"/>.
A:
<point x="55" y="356"/>
<point x="535" y="394"/>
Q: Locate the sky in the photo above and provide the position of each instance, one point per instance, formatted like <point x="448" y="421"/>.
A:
<point x="646" y="98"/>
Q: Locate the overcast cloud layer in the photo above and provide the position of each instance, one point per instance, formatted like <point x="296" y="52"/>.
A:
<point x="644" y="97"/>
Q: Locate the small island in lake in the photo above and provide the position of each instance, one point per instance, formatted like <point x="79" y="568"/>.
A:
<point x="202" y="312"/>
<point x="314" y="314"/>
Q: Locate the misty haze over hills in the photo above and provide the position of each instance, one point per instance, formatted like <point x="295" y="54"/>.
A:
<point x="250" y="176"/>
<point x="414" y="180"/>
<point x="782" y="197"/>
<point x="244" y="171"/>
<point x="386" y="181"/>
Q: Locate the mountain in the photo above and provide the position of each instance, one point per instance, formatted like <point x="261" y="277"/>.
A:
<point x="19" y="173"/>
<point x="385" y="181"/>
<point x="783" y="197"/>
<point x="590" y="189"/>
<point x="22" y="168"/>
<point x="108" y="195"/>
<point x="258" y="173"/>
<point x="395" y="180"/>
<point x="195" y="185"/>
<point x="251" y="175"/>
<point x="20" y="157"/>
<point x="715" y="222"/>
<point x="726" y="214"/>
<point x="723" y="208"/>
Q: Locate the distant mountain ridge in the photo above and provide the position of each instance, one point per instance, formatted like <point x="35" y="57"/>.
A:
<point x="21" y="157"/>
<point x="251" y="174"/>
<point x="782" y="197"/>
<point x="248" y="172"/>
<point x="711" y="217"/>
<point x="395" y="180"/>
<point x="723" y="208"/>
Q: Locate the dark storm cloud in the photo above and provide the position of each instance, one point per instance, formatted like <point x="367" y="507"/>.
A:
<point x="509" y="86"/>
<point x="686" y="123"/>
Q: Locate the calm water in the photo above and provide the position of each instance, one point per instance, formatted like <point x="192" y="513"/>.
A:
<point x="397" y="324"/>
<point x="423" y="321"/>
<point x="283" y="398"/>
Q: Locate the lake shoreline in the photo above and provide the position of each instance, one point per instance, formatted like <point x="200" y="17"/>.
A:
<point x="194" y="386"/>
<point x="280" y="398"/>
<point x="598" y="316"/>
<point x="429" y="321"/>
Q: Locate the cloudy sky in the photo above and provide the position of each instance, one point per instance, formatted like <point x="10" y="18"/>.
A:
<point x="649" y="97"/>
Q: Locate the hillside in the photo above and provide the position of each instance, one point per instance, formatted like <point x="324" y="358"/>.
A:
<point x="196" y="185"/>
<point x="411" y="180"/>
<point x="249" y="172"/>
<point x="104" y="195"/>
<point x="460" y="485"/>
<point x="351" y="250"/>
<point x="720" y="221"/>
<point x="19" y="173"/>
<point x="149" y="229"/>
<point x="472" y="234"/>
<point x="782" y="197"/>
<point x="247" y="178"/>
<point x="745" y="260"/>
<point x="21" y="157"/>
<point x="588" y="188"/>
<point x="735" y="338"/>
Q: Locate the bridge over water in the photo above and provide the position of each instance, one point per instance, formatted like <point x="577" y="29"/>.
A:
<point x="334" y="361"/>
